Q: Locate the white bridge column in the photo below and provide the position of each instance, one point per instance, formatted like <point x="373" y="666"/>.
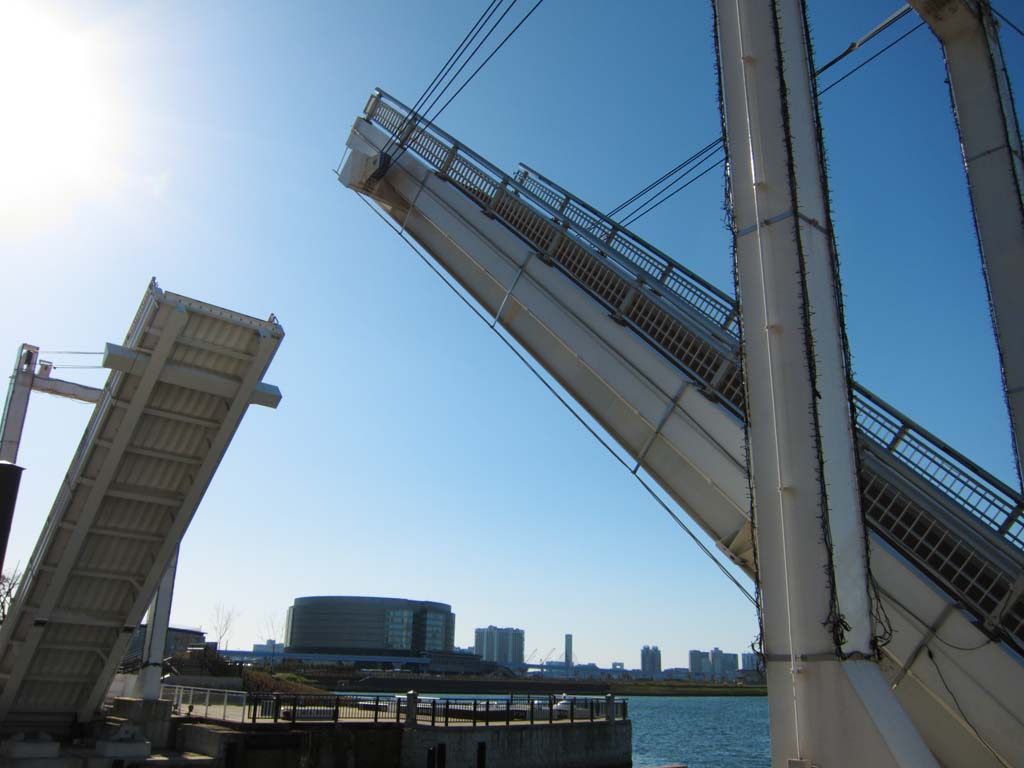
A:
<point x="991" y="145"/>
<point x="824" y="711"/>
<point x="147" y="685"/>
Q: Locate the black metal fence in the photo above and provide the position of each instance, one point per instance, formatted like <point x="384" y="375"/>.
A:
<point x="520" y="710"/>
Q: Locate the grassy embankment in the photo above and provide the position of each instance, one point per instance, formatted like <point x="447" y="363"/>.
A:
<point x="255" y="681"/>
<point x="329" y="680"/>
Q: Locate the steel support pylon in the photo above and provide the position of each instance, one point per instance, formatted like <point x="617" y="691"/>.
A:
<point x="991" y="145"/>
<point x="828" y="700"/>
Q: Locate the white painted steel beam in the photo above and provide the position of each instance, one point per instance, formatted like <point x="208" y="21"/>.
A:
<point x="74" y="611"/>
<point x="16" y="405"/>
<point x="266" y="347"/>
<point x="931" y="635"/>
<point x="990" y="142"/>
<point x="810" y="535"/>
<point x="120" y="358"/>
<point x="619" y="378"/>
<point x="34" y="635"/>
<point x="147" y="682"/>
<point x="68" y="389"/>
<point x="696" y="455"/>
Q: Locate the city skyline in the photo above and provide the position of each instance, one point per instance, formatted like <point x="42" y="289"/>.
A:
<point x="412" y="454"/>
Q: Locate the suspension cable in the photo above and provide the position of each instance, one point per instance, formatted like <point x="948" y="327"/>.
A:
<point x="428" y="121"/>
<point x="562" y="399"/>
<point x="467" y="40"/>
<point x="667" y="180"/>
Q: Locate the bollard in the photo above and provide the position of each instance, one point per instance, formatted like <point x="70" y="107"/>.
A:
<point x="609" y="707"/>
<point x="411" y="708"/>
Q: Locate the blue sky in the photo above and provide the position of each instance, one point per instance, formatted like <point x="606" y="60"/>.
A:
<point x="412" y="455"/>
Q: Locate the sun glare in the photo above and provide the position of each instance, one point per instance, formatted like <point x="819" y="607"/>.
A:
<point x="55" y="134"/>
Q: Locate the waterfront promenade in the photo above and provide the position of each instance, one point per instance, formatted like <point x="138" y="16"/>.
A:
<point x="403" y="731"/>
<point x="410" y="710"/>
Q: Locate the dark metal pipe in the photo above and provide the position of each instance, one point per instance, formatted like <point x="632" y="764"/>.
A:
<point x="10" y="479"/>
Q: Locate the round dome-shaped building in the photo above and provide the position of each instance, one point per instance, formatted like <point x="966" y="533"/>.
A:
<point x="379" y="626"/>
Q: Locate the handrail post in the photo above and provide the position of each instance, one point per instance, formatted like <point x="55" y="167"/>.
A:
<point x="531" y="710"/>
<point x="609" y="707"/>
<point x="474" y="711"/>
<point x="447" y="706"/>
<point x="446" y="165"/>
<point x="412" y="708"/>
<point x="376" y="709"/>
<point x="433" y="712"/>
<point x="372" y="105"/>
<point x="499" y="193"/>
<point x="206" y="708"/>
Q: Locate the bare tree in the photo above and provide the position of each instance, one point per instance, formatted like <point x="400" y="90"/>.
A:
<point x="8" y="587"/>
<point x="223" y="619"/>
<point x="271" y="629"/>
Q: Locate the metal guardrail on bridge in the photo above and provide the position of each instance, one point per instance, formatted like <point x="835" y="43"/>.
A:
<point x="695" y="325"/>
<point x="242" y="707"/>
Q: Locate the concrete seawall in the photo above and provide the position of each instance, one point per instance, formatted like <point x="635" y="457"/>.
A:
<point x="561" y="745"/>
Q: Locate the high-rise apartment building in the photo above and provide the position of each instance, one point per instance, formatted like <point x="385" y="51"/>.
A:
<point x="749" y="661"/>
<point x="650" y="660"/>
<point x="568" y="652"/>
<point x="503" y="645"/>
<point x="700" y="665"/>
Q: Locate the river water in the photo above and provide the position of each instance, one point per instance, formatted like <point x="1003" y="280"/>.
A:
<point x="700" y="732"/>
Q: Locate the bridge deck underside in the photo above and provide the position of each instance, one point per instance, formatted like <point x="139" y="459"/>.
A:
<point x="143" y="464"/>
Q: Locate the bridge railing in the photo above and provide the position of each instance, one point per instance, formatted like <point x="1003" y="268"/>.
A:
<point x="988" y="503"/>
<point x="242" y="707"/>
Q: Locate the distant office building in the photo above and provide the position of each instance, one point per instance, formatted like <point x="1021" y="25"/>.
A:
<point x="503" y="645"/>
<point x="676" y="673"/>
<point x="650" y="660"/>
<point x="749" y="661"/>
<point x="700" y="665"/>
<point x="568" y="652"/>
<point x="378" y="626"/>
<point x="271" y="647"/>
<point x="179" y="639"/>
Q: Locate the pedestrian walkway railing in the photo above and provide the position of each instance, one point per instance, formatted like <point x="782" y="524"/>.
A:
<point x="206" y="703"/>
<point x="242" y="707"/>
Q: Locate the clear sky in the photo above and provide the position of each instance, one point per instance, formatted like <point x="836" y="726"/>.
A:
<point x="413" y="455"/>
